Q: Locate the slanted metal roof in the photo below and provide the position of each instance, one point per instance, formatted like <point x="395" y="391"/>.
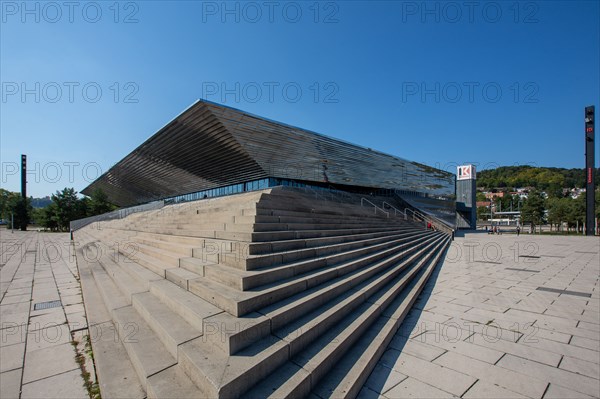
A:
<point x="210" y="145"/>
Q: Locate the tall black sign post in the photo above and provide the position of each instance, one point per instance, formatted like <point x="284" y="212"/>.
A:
<point x="590" y="166"/>
<point x="24" y="176"/>
<point x="22" y="209"/>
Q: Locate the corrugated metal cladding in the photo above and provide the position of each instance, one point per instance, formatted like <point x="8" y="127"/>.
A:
<point x="210" y="145"/>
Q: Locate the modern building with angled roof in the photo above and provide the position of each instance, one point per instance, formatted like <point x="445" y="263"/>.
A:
<point x="212" y="150"/>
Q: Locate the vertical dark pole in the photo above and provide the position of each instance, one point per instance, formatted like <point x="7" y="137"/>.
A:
<point x="23" y="214"/>
<point x="24" y="176"/>
<point x="590" y="165"/>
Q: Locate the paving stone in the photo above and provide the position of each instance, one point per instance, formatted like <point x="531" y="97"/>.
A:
<point x="563" y="349"/>
<point x="482" y="389"/>
<point x="508" y="379"/>
<point x="586" y="343"/>
<point x="413" y="388"/>
<point x="579" y="366"/>
<point x="517" y="349"/>
<point x="383" y="378"/>
<point x="446" y="379"/>
<point x="67" y="385"/>
<point x="10" y="384"/>
<point x="47" y="337"/>
<point x="53" y="360"/>
<point x="71" y="300"/>
<point x="558" y="392"/>
<point x="9" y="299"/>
<point x="415" y="348"/>
<point x="464" y="347"/>
<point x="76" y="308"/>
<point x="77" y="321"/>
<point x="47" y="318"/>
<point x="575" y="382"/>
<point x="11" y="357"/>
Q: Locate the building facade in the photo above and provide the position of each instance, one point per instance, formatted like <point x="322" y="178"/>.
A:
<point x="211" y="150"/>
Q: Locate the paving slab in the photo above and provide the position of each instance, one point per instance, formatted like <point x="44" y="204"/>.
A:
<point x="10" y="384"/>
<point x="11" y="357"/>
<point x="36" y="354"/>
<point x="515" y="339"/>
<point x="413" y="388"/>
<point x="67" y="385"/>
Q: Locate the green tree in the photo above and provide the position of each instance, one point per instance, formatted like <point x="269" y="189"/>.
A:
<point x="533" y="209"/>
<point x="18" y="209"/>
<point x="483" y="213"/>
<point x="68" y="208"/>
<point x="576" y="214"/>
<point x="558" y="210"/>
<point x="99" y="203"/>
<point x="49" y="217"/>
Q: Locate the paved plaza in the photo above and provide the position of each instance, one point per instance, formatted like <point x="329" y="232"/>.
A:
<point x="42" y="318"/>
<point x="503" y="317"/>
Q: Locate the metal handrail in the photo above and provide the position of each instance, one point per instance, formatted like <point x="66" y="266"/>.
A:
<point x="363" y="200"/>
<point x="437" y="223"/>
<point x="421" y="217"/>
<point x="396" y="210"/>
<point x="116" y="214"/>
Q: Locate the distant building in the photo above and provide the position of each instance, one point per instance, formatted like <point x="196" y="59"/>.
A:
<point x="491" y="196"/>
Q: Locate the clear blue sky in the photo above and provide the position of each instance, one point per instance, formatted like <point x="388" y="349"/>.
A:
<point x="420" y="80"/>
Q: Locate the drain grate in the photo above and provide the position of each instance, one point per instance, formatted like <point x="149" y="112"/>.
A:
<point x="46" y="305"/>
<point x="564" y="292"/>
<point x="522" y="270"/>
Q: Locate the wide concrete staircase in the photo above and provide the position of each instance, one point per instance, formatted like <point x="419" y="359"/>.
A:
<point x="275" y="293"/>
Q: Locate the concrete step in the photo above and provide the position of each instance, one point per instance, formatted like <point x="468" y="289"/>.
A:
<point x="141" y="274"/>
<point x="295" y="235"/>
<point x="116" y="376"/>
<point x="305" y="330"/>
<point x="242" y="260"/>
<point x="128" y="285"/>
<point x="146" y="351"/>
<point x="241" y="371"/>
<point x="171" y="329"/>
<point x="181" y="276"/>
<point x="111" y="294"/>
<point x="306" y="217"/>
<point x="239" y="303"/>
<point x="322" y="354"/>
<point x="172" y="383"/>
<point x="156" y="266"/>
<point x="193" y="242"/>
<point x="194" y="265"/>
<point x="274" y="227"/>
<point x="222" y="376"/>
<point x="245" y="280"/>
<point x="284" y="313"/>
<point x="168" y="246"/>
<point x="308" y="205"/>
<point x="353" y="370"/>
<point x="187" y="305"/>
<point x="288" y="245"/>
